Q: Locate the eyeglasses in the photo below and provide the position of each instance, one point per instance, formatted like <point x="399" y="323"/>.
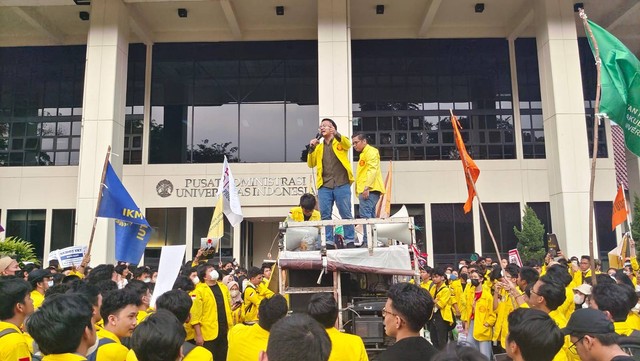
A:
<point x="534" y="292"/>
<point x="573" y="347"/>
<point x="385" y="313"/>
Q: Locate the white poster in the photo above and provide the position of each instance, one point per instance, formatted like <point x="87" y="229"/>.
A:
<point x="68" y="257"/>
<point x="170" y="261"/>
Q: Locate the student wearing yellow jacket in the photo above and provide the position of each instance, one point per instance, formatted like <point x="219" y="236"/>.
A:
<point x="504" y="303"/>
<point x="306" y="211"/>
<point x="479" y="315"/>
<point x="119" y="310"/>
<point x="333" y="176"/>
<point x="546" y="295"/>
<point x="369" y="185"/>
<point x="253" y="294"/>
<point x="442" y="316"/>
<point x="15" y="306"/>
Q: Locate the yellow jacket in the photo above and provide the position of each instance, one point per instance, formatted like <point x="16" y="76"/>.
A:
<point x="442" y="300"/>
<point x="634" y="320"/>
<point x="346" y="347"/>
<point x="501" y="328"/>
<point x="623" y="328"/>
<point x="197" y="353"/>
<point x="114" y="351"/>
<point x="568" y="306"/>
<point x="483" y="312"/>
<point x="564" y="353"/>
<point x="577" y="278"/>
<point x="457" y="294"/>
<point x="246" y="342"/>
<point x="253" y="295"/>
<point x="209" y="320"/>
<point x="13" y="346"/>
<point x="340" y="148"/>
<point x="296" y="215"/>
<point x="196" y="315"/>
<point x="38" y="299"/>
<point x="368" y="172"/>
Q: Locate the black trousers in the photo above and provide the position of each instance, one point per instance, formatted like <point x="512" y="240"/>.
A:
<point x="218" y="347"/>
<point x="439" y="331"/>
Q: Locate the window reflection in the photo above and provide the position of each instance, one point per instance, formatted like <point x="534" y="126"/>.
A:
<point x="253" y="102"/>
<point x="40" y="105"/>
<point x="404" y="101"/>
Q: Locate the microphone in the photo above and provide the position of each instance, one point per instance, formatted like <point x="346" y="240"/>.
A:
<point x="318" y="138"/>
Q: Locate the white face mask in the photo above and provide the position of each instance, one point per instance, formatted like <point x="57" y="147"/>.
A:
<point x="147" y="280"/>
<point x="196" y="280"/>
<point x="578" y="298"/>
<point x="234" y="293"/>
<point x="214" y="274"/>
<point x="585" y="305"/>
<point x="638" y="288"/>
<point x="50" y="283"/>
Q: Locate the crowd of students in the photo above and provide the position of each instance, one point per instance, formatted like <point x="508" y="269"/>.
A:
<point x="484" y="300"/>
<point x="552" y="311"/>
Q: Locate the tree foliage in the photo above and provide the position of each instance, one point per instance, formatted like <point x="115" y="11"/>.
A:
<point x="18" y="249"/>
<point x="531" y="237"/>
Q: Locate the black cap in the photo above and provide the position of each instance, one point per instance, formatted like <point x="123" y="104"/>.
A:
<point x="38" y="274"/>
<point x="588" y="321"/>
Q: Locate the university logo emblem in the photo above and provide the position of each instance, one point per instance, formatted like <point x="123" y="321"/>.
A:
<point x="164" y="188"/>
<point x="340" y="147"/>
<point x="361" y="163"/>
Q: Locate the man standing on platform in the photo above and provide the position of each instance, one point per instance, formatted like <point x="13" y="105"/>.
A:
<point x="334" y="177"/>
<point x="369" y="185"/>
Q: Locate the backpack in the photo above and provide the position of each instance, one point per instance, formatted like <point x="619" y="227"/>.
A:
<point x="103" y="341"/>
<point x="8" y="331"/>
<point x="631" y="344"/>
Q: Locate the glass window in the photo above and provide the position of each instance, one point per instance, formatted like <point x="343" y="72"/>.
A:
<point x="169" y="226"/>
<point x="28" y="224"/>
<point x="62" y="228"/>
<point x="38" y="95"/>
<point x="502" y="218"/>
<point x="606" y="237"/>
<point x="403" y="102"/>
<point x="201" y="221"/>
<point x="452" y="232"/>
<point x="250" y="101"/>
<point x="589" y="84"/>
<point x="134" y="111"/>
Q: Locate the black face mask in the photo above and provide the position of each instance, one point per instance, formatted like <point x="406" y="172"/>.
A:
<point x="464" y="276"/>
<point x="475" y="283"/>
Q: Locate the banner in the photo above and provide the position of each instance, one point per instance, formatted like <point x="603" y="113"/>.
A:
<point x="229" y="194"/>
<point x="171" y="258"/>
<point x="68" y="257"/>
<point x="514" y="257"/>
<point x="471" y="170"/>
<point x="216" y="228"/>
<point x="620" y="84"/>
<point x="132" y="229"/>
<point x="383" y="208"/>
<point x="620" y="212"/>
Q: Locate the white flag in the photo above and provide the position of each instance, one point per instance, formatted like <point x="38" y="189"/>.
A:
<point x="230" y="200"/>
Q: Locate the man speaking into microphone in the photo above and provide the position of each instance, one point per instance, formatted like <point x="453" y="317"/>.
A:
<point x="330" y="156"/>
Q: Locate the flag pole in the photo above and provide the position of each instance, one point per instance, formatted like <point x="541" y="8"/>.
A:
<point x="596" y="123"/>
<point x="95" y="218"/>
<point x="484" y="215"/>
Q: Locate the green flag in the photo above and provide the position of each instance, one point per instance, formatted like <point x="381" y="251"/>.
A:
<point x="620" y="80"/>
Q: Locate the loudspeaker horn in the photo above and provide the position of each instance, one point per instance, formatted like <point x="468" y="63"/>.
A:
<point x="397" y="231"/>
<point x="301" y="238"/>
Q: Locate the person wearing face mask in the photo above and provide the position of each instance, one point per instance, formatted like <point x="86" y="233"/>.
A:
<point x="40" y="281"/>
<point x="581" y="295"/>
<point x="142" y="290"/>
<point x="8" y="266"/>
<point x="236" y="302"/>
<point x="479" y="316"/>
<point x="222" y="310"/>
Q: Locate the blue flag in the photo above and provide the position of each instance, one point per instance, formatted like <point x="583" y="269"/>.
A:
<point x="132" y="229"/>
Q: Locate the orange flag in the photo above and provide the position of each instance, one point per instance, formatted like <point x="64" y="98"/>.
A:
<point x="383" y="208"/>
<point x="471" y="170"/>
<point x="620" y="211"/>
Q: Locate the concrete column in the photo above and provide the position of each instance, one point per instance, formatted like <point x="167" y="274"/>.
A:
<point x="564" y="124"/>
<point x="334" y="63"/>
<point x="102" y="119"/>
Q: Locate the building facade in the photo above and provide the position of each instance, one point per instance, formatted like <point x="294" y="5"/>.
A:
<point x="173" y="91"/>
